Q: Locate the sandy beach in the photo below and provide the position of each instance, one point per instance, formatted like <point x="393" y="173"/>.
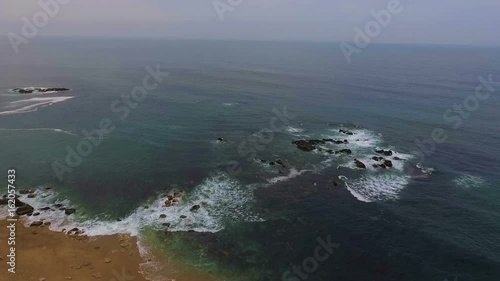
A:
<point x="45" y="255"/>
<point x="42" y="254"/>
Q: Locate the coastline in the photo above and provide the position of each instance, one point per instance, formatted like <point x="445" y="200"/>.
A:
<point x="42" y="254"/>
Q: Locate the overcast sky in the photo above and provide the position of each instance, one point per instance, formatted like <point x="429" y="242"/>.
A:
<point x="469" y="22"/>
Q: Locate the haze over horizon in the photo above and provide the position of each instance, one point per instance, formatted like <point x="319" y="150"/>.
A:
<point x="460" y="22"/>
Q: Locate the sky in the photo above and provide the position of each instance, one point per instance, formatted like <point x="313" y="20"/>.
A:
<point x="464" y="22"/>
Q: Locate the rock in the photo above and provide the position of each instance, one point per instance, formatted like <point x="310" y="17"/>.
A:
<point x="335" y="183"/>
<point x="36" y="223"/>
<point x="36" y="214"/>
<point x="58" y="205"/>
<point x="359" y="164"/>
<point x="314" y="142"/>
<point x="47" y="223"/>
<point x="168" y="203"/>
<point x="388" y="163"/>
<point x="24" y="210"/>
<point x="384" y="152"/>
<point x="263" y="161"/>
<point x="347" y="132"/>
<point x="24" y="191"/>
<point x="18" y="203"/>
<point x="45" y="209"/>
<point x="346" y="151"/>
<point x="162" y="216"/>
<point x="107" y="260"/>
<point x="167" y="224"/>
<point x="221" y="140"/>
<point x="31" y="195"/>
<point x="97" y="275"/>
<point x="183" y="216"/>
<point x="304" y="145"/>
<point x="379" y="166"/>
<point x="69" y="211"/>
<point x="280" y="163"/>
<point x="378" y="158"/>
<point x="397" y="158"/>
<point x="330" y="151"/>
<point x="195" y="208"/>
<point x="31" y="90"/>
<point x="272" y="163"/>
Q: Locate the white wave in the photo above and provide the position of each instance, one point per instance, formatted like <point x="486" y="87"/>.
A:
<point x="230" y="104"/>
<point x="31" y="105"/>
<point x="379" y="187"/>
<point x="469" y="181"/>
<point x="425" y="170"/>
<point x="43" y="129"/>
<point x="293" y="174"/>
<point x="293" y="130"/>
<point x="362" y="138"/>
<point x="220" y="198"/>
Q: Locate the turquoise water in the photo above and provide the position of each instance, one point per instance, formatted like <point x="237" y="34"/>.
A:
<point x="433" y="216"/>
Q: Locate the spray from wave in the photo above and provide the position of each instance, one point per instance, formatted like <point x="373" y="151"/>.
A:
<point x="30" y="105"/>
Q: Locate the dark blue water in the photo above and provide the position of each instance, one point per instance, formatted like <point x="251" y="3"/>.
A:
<point x="433" y="216"/>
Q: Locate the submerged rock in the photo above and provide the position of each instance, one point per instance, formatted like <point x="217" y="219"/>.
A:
<point x="69" y="211"/>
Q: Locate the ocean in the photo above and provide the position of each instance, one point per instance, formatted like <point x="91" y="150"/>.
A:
<point x="218" y="130"/>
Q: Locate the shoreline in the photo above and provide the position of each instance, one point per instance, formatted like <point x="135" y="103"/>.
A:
<point x="43" y="254"/>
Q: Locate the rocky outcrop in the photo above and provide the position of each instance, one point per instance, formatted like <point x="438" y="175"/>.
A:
<point x="345" y="151"/>
<point x="304" y="145"/>
<point x="24" y="210"/>
<point x="32" y="90"/>
<point x="347" y="132"/>
<point x="69" y="211"/>
<point x="359" y="164"/>
<point x="195" y="208"/>
<point x="384" y="152"/>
